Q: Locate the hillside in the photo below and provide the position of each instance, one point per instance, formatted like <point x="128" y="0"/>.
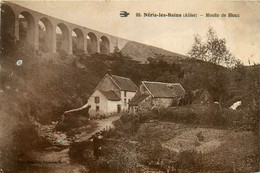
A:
<point x="44" y="87"/>
<point x="140" y="52"/>
<point x="53" y="85"/>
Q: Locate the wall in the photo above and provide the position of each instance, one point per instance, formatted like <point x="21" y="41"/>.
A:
<point x="112" y="106"/>
<point x="106" y="107"/>
<point x="129" y="95"/>
<point x="103" y="104"/>
<point x="107" y="85"/>
<point x="161" y="102"/>
<point x="152" y="103"/>
<point x="144" y="106"/>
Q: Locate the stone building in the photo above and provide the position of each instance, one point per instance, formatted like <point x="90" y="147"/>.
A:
<point x="112" y="95"/>
<point x="156" y="95"/>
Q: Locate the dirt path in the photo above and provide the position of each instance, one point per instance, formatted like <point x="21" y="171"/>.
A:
<point x="104" y="124"/>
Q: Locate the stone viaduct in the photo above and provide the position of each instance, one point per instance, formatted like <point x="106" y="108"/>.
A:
<point x="37" y="29"/>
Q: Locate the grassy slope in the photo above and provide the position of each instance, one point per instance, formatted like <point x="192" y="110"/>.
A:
<point x="238" y="150"/>
<point x="140" y="52"/>
<point x="49" y="86"/>
<point x="155" y="143"/>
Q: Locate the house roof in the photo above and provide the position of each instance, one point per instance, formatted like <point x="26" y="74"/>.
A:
<point x="125" y="84"/>
<point x="111" y="95"/>
<point x="164" y="90"/>
<point x="138" y="99"/>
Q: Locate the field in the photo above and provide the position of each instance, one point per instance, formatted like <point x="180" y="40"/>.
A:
<point x="149" y="145"/>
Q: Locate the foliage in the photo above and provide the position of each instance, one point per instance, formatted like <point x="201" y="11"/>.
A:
<point x="189" y="160"/>
<point x="242" y="119"/>
<point x="155" y="70"/>
<point x="63" y="85"/>
<point x="208" y="76"/>
<point x="80" y="152"/>
<point x="131" y="123"/>
<point x="196" y="115"/>
<point x="200" y="136"/>
<point x="121" y="158"/>
<point x="214" y="50"/>
<point x="180" y="115"/>
<point x="115" y="157"/>
<point x="248" y="80"/>
<point x="116" y="49"/>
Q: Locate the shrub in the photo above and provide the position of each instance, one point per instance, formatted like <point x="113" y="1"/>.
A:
<point x="200" y="136"/>
<point x="26" y="141"/>
<point x="216" y="117"/>
<point x="242" y="119"/>
<point x="180" y="115"/>
<point x="121" y="158"/>
<point x="189" y="160"/>
<point x="130" y="123"/>
<point x="115" y="157"/>
<point x="78" y="152"/>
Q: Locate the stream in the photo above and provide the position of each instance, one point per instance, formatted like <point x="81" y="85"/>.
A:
<point x="55" y="159"/>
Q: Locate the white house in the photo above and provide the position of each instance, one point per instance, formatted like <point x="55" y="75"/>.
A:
<point x="156" y="95"/>
<point x="112" y="95"/>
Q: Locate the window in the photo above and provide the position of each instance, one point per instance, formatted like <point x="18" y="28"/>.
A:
<point x="97" y="100"/>
<point x="97" y="108"/>
<point x="128" y="101"/>
<point x="125" y="93"/>
<point x="125" y="101"/>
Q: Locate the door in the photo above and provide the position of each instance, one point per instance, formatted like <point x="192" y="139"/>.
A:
<point x="118" y="108"/>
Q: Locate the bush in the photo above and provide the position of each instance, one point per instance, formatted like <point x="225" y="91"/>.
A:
<point x="242" y="119"/>
<point x="205" y="115"/>
<point x="155" y="156"/>
<point x="130" y="123"/>
<point x="115" y="157"/>
<point x="27" y="141"/>
<point x="189" y="160"/>
<point x="200" y="136"/>
<point x="78" y="152"/>
<point x="183" y="115"/>
<point x="121" y="158"/>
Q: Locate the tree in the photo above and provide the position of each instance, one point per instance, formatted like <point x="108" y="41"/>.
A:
<point x="212" y="77"/>
<point x="198" y="50"/>
<point x="214" y="50"/>
<point x="117" y="53"/>
<point x="116" y="49"/>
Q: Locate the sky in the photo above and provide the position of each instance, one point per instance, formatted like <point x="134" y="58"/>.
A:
<point x="171" y="33"/>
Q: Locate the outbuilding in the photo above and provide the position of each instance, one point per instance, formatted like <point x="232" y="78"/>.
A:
<point x="152" y="95"/>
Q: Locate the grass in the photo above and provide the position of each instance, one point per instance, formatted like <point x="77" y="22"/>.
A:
<point x="239" y="153"/>
<point x="202" y="147"/>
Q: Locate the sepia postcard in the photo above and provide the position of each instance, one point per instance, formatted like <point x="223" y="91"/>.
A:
<point x="129" y="86"/>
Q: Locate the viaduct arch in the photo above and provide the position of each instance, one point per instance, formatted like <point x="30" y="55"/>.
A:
<point x="45" y="35"/>
<point x="51" y="35"/>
